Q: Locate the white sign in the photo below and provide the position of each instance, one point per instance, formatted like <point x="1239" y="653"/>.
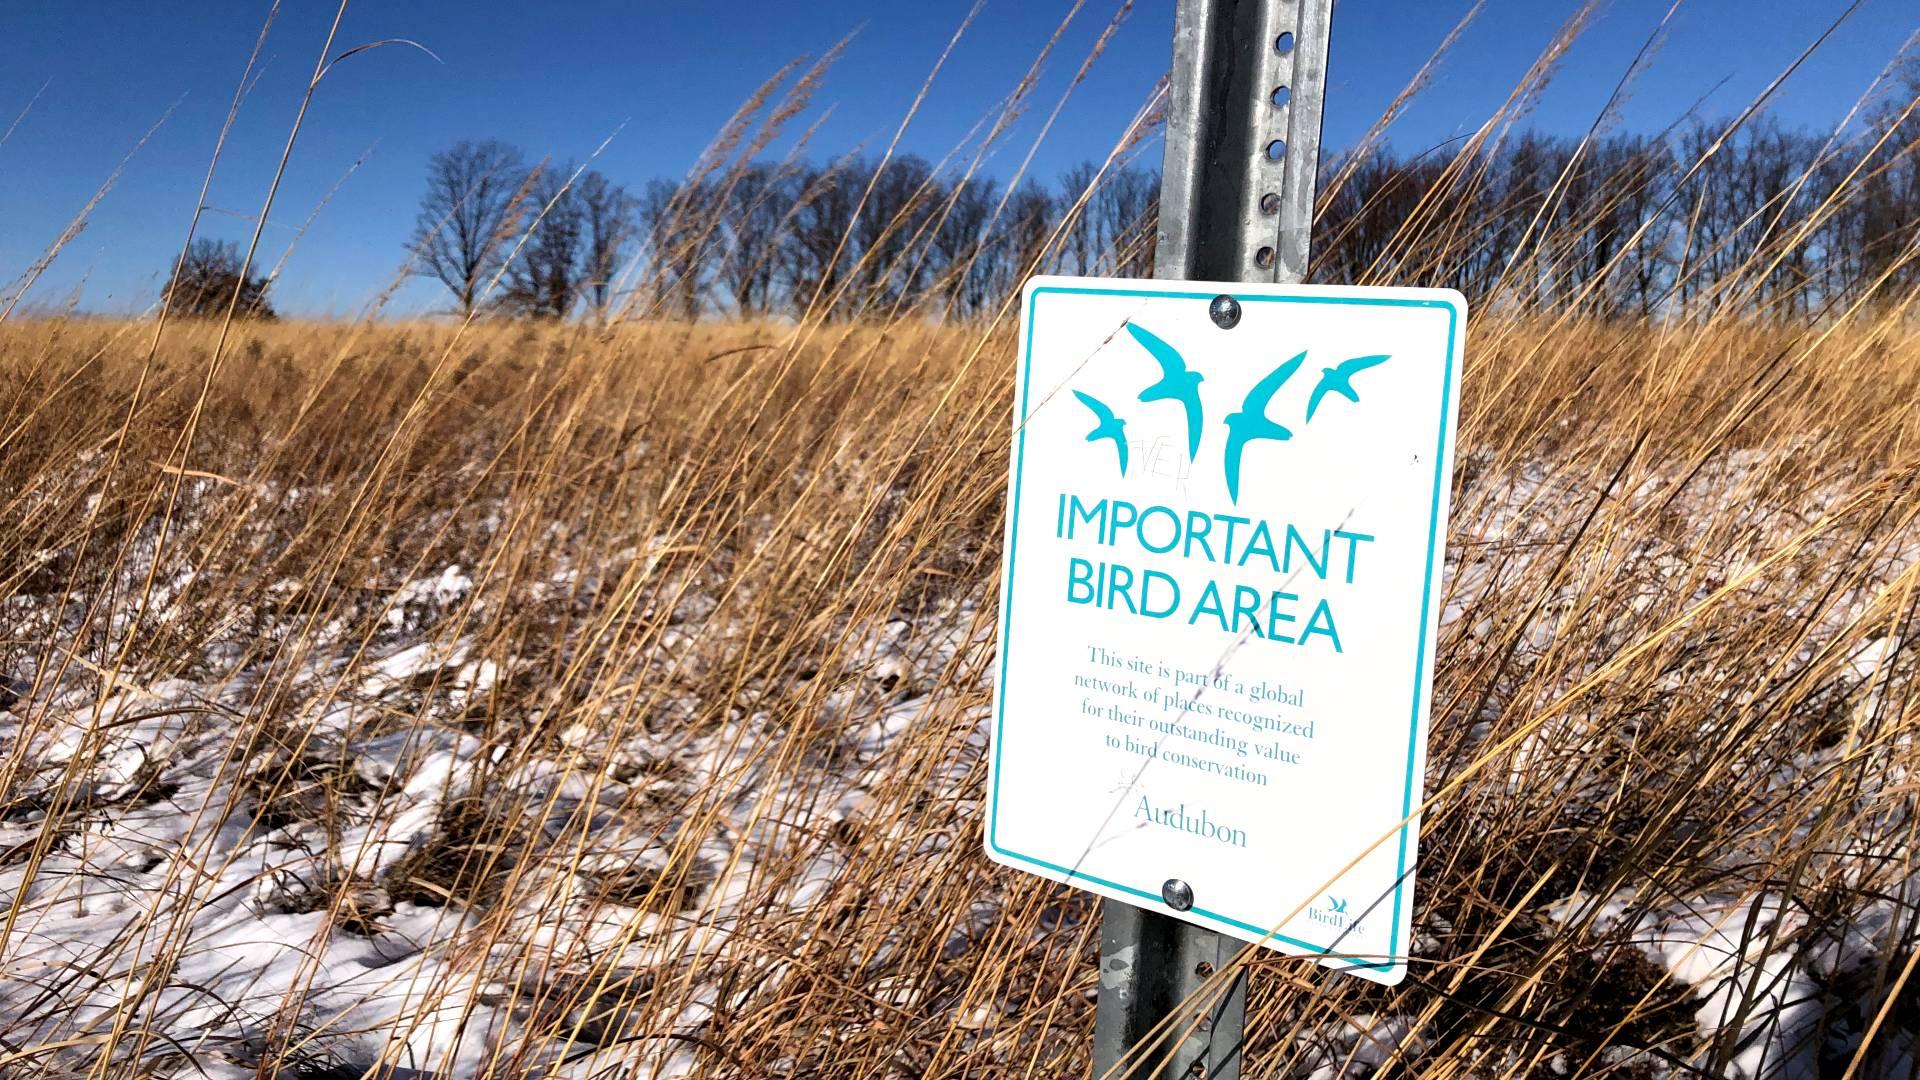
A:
<point x="1219" y="602"/>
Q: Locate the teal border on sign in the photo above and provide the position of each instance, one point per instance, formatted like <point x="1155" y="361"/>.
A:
<point x="1426" y="595"/>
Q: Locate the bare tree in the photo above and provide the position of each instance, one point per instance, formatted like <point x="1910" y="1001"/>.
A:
<point x="1082" y="239"/>
<point x="760" y="209"/>
<point x="1126" y="207"/>
<point x="674" y="220"/>
<point x="474" y="200"/>
<point x="959" y="245"/>
<point x="900" y="196"/>
<point x="608" y="221"/>
<point x="1019" y="247"/>
<point x="549" y="275"/>
<point x="817" y="255"/>
<point x="207" y="279"/>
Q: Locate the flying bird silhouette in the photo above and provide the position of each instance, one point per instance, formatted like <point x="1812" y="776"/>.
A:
<point x="1338" y="380"/>
<point x="1251" y="421"/>
<point x="1176" y="383"/>
<point x="1110" y="426"/>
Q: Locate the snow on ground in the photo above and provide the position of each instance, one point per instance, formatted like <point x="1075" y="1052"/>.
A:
<point x="171" y="862"/>
<point x="1764" y="974"/>
<point x="266" y="918"/>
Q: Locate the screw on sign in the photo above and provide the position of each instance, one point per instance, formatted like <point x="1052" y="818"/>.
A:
<point x="1225" y="312"/>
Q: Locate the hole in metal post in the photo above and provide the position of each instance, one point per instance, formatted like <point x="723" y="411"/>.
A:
<point x="1284" y="43"/>
<point x="1281" y="95"/>
<point x="1276" y="149"/>
<point x="1270" y="203"/>
<point x="1264" y="258"/>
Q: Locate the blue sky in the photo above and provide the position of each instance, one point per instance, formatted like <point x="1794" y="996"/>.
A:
<point x="557" y="79"/>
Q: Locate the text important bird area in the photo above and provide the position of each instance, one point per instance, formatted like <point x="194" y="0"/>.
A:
<point x="1269" y="552"/>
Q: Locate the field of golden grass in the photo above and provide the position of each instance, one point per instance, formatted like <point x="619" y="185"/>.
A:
<point x="553" y="701"/>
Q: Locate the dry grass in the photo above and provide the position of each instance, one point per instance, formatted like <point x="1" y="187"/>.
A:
<point x="498" y="700"/>
<point x="704" y="565"/>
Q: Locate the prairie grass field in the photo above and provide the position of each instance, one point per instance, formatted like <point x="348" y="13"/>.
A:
<point x="593" y="678"/>
<point x="509" y="701"/>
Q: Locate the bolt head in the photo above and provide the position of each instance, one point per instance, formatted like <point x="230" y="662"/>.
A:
<point x="1224" y="311"/>
<point x="1178" y="894"/>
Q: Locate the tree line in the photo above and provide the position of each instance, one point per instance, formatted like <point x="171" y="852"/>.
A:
<point x="847" y="236"/>
<point x="1767" y="218"/>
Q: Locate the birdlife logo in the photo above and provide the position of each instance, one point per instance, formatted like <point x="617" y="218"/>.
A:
<point x="1334" y="914"/>
<point x="1251" y="423"/>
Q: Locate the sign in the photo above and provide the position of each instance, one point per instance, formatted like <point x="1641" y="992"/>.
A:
<point x="1220" y="594"/>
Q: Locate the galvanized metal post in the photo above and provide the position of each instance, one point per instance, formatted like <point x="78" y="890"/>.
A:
<point x="1243" y="139"/>
<point x="1236" y="204"/>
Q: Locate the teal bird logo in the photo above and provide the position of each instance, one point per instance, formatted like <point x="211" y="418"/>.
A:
<point x="1110" y="426"/>
<point x="1177" y="383"/>
<point x="1338" y="905"/>
<point x="1251" y="421"/>
<point x="1339" y="380"/>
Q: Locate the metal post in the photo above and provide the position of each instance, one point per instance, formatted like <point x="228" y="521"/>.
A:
<point x="1243" y="139"/>
<point x="1150" y="965"/>
<point x="1236" y="204"/>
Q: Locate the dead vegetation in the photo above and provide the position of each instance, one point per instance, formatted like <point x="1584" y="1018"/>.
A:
<point x="494" y="700"/>
<point x="666" y="693"/>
